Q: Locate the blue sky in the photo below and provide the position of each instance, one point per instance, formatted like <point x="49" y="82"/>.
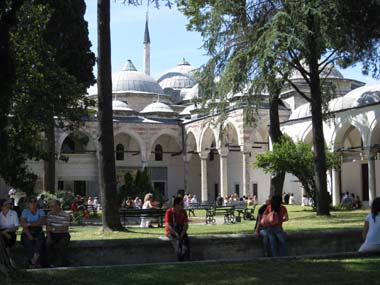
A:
<point x="170" y="41"/>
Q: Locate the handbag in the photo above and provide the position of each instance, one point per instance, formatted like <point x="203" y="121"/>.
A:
<point x="270" y="219"/>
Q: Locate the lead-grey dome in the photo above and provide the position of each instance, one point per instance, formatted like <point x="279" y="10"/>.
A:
<point x="178" y="77"/>
<point x="329" y="72"/>
<point x="129" y="80"/>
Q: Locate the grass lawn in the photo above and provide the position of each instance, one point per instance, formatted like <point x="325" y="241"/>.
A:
<point x="290" y="271"/>
<point x="300" y="219"/>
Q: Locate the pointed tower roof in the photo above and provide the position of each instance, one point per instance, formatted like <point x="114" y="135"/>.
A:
<point x="146" y="34"/>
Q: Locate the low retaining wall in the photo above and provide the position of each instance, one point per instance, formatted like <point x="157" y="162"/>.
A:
<point x="217" y="247"/>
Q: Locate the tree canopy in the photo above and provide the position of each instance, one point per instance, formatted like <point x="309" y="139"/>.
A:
<point x="49" y="60"/>
<point x="253" y="43"/>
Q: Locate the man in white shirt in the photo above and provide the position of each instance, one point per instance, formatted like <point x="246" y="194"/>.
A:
<point x="8" y="223"/>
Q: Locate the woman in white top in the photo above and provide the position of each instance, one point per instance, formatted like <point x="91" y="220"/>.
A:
<point x="148" y="204"/>
<point x="371" y="231"/>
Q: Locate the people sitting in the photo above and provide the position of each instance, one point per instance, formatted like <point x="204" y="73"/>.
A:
<point x="32" y="236"/>
<point x="8" y="224"/>
<point x="57" y="232"/>
<point x="260" y="231"/>
<point x="371" y="230"/>
<point x="176" y="225"/>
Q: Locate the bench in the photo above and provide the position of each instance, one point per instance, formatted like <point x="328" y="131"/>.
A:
<point x="199" y="206"/>
<point x="245" y="212"/>
<point x="157" y="213"/>
<point x="227" y="211"/>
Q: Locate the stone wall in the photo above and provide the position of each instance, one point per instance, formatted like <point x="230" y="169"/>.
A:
<point x="232" y="247"/>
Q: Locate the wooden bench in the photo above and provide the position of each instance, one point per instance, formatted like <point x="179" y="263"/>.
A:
<point x="199" y="206"/>
<point x="227" y="211"/>
<point x="157" y="213"/>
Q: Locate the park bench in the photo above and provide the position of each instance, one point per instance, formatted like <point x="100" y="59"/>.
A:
<point x="245" y="212"/>
<point x="227" y="211"/>
<point x="156" y="213"/>
<point x="199" y="206"/>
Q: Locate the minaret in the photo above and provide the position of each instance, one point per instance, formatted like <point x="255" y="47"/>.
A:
<point x="146" y="48"/>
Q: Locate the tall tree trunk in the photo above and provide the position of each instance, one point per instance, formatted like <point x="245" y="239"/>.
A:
<point x="106" y="157"/>
<point x="277" y="178"/>
<point x="317" y="119"/>
<point x="49" y="164"/>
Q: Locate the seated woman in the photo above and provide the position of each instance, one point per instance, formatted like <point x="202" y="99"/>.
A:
<point x="32" y="236"/>
<point x="176" y="225"/>
<point x="8" y="223"/>
<point x="371" y="231"/>
<point x="274" y="229"/>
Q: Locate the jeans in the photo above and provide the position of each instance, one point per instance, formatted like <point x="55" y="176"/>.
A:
<point x="181" y="247"/>
<point x="265" y="241"/>
<point x="56" y="246"/>
<point x="276" y="234"/>
<point x="34" y="246"/>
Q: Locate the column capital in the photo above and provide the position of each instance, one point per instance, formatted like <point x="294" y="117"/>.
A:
<point x="246" y="148"/>
<point x="223" y="151"/>
<point x="204" y="154"/>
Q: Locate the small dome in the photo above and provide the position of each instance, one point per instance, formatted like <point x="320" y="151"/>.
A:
<point x="366" y="95"/>
<point x="157" y="107"/>
<point x="329" y="72"/>
<point x="181" y="76"/>
<point x="133" y="81"/>
<point x="187" y="111"/>
<point x="120" y="106"/>
<point x="301" y="112"/>
<point x="189" y="94"/>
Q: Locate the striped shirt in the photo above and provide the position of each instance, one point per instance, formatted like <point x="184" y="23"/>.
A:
<point x="58" y="222"/>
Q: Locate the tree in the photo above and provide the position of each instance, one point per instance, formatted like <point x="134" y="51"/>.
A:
<point x="50" y="66"/>
<point x="298" y="35"/>
<point x="297" y="159"/>
<point x="106" y="157"/>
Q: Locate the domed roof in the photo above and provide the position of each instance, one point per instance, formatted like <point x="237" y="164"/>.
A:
<point x="157" y="107"/>
<point x="187" y="110"/>
<point x="359" y="97"/>
<point x="181" y="76"/>
<point x="301" y="112"/>
<point x="133" y="81"/>
<point x="189" y="94"/>
<point x="120" y="106"/>
<point x="329" y="72"/>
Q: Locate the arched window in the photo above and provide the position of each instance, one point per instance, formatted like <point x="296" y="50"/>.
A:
<point x="119" y="152"/>
<point x="68" y="145"/>
<point x="158" y="153"/>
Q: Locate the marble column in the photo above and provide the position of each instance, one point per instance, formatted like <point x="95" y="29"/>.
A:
<point x="246" y="173"/>
<point x="335" y="187"/>
<point x="204" y="189"/>
<point x="371" y="179"/>
<point x="223" y="175"/>
<point x="185" y="173"/>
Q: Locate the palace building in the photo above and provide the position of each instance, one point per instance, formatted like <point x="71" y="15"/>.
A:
<point x="158" y="127"/>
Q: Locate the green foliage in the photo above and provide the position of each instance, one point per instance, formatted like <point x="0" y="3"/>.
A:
<point x="297" y="159"/>
<point x="45" y="54"/>
<point x="137" y="184"/>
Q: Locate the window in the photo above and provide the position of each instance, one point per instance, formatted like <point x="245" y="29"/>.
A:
<point x="237" y="189"/>
<point x="158" y="153"/>
<point x="119" y="152"/>
<point x="68" y="145"/>
<point x="255" y="190"/>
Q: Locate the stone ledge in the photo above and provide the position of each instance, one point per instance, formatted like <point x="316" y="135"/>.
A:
<point x="210" y="247"/>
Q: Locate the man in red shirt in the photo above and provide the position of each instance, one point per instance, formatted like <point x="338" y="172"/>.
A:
<point x="176" y="225"/>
